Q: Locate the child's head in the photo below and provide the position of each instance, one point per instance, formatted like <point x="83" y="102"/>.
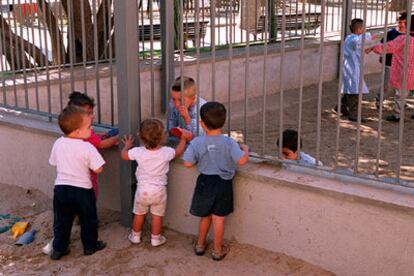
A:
<point x="189" y="92"/>
<point x="83" y="101"/>
<point x="152" y="133"/>
<point x="75" y="122"/>
<point x="357" y="26"/>
<point x="213" y="115"/>
<point x="290" y="144"/>
<point x="402" y="22"/>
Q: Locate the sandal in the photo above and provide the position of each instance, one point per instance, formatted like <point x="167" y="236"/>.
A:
<point x="199" y="250"/>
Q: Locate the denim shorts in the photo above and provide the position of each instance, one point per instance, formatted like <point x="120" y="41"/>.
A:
<point x="212" y="196"/>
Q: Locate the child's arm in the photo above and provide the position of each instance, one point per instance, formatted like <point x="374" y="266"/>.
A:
<point x="185" y="136"/>
<point x="99" y="170"/>
<point x="108" y="142"/>
<point x="245" y="157"/>
<point x="188" y="164"/>
<point x="128" y="142"/>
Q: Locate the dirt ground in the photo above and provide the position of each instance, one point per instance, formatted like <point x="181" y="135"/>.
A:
<point x="121" y="257"/>
<point x="328" y="131"/>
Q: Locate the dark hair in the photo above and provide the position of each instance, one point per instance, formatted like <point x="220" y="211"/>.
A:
<point x="290" y="140"/>
<point x="151" y="133"/>
<point x="80" y="99"/>
<point x="71" y="119"/>
<point x="355" y="24"/>
<point x="402" y="16"/>
<point x="188" y="83"/>
<point x="213" y="115"/>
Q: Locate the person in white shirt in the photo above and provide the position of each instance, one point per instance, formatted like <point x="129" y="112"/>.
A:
<point x="153" y="165"/>
<point x="73" y="193"/>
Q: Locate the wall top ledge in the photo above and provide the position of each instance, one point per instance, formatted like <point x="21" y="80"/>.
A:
<point x="273" y="173"/>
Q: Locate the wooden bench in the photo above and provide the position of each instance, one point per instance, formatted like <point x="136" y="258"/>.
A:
<point x="292" y="22"/>
<point x="189" y="29"/>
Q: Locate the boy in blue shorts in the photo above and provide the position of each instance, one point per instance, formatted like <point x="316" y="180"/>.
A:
<point x="216" y="157"/>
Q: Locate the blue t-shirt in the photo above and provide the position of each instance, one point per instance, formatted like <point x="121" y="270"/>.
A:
<point x="214" y="155"/>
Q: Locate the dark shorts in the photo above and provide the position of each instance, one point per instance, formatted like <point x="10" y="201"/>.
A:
<point x="212" y="196"/>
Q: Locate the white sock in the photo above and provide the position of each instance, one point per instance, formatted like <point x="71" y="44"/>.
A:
<point x="155" y="237"/>
<point x="136" y="233"/>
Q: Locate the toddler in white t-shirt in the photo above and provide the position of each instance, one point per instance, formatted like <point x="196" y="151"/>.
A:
<point x="73" y="193"/>
<point x="153" y="165"/>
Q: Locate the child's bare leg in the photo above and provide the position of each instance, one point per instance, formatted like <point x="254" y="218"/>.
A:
<point x="203" y="228"/>
<point x="138" y="222"/>
<point x="218" y="232"/>
<point x="156" y="224"/>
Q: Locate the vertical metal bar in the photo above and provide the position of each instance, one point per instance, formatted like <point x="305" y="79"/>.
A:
<point x="264" y="88"/>
<point x="16" y="44"/>
<point x="320" y="85"/>
<point x="404" y="90"/>
<point x="49" y="95"/>
<point x="246" y="71"/>
<point x="182" y="51"/>
<point x="348" y="14"/>
<point x="143" y="29"/>
<point x="128" y="84"/>
<point x="282" y="63"/>
<point x="13" y="68"/>
<point x="360" y="91"/>
<point x="197" y="19"/>
<point x="152" y="58"/>
<point x="104" y="55"/>
<point x="341" y="69"/>
<point x="381" y="99"/>
<point x="59" y="53"/>
<point x="96" y="56"/>
<point x="301" y="57"/>
<point x="111" y="74"/>
<point x="167" y="48"/>
<point x="213" y="48"/>
<point x="71" y="41"/>
<point x="203" y="18"/>
<point x="35" y="65"/>
<point x="230" y="75"/>
<point x="85" y="83"/>
<point x="3" y="65"/>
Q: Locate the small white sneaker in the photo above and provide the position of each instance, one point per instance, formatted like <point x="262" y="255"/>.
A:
<point x="158" y="241"/>
<point x="134" y="238"/>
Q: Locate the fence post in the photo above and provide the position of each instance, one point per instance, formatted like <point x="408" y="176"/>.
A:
<point x="167" y="50"/>
<point x="348" y="16"/>
<point x="128" y="88"/>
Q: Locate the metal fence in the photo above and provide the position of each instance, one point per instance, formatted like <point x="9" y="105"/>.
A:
<point x="239" y="52"/>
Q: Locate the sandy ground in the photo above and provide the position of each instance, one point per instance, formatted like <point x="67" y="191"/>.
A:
<point x="121" y="257"/>
<point x="328" y="130"/>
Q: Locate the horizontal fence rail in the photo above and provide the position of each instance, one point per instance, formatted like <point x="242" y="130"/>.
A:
<point x="270" y="62"/>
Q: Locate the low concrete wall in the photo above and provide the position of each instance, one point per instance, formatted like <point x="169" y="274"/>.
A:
<point x="348" y="228"/>
<point x="291" y="78"/>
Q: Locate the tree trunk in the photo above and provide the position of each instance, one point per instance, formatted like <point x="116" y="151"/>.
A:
<point x="13" y="53"/>
<point x="56" y="38"/>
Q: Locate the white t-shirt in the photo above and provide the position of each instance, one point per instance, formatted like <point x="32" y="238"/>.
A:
<point x="73" y="159"/>
<point x="153" y="165"/>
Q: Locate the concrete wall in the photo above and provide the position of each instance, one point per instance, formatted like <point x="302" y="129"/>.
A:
<point x="346" y="227"/>
<point x="291" y="78"/>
